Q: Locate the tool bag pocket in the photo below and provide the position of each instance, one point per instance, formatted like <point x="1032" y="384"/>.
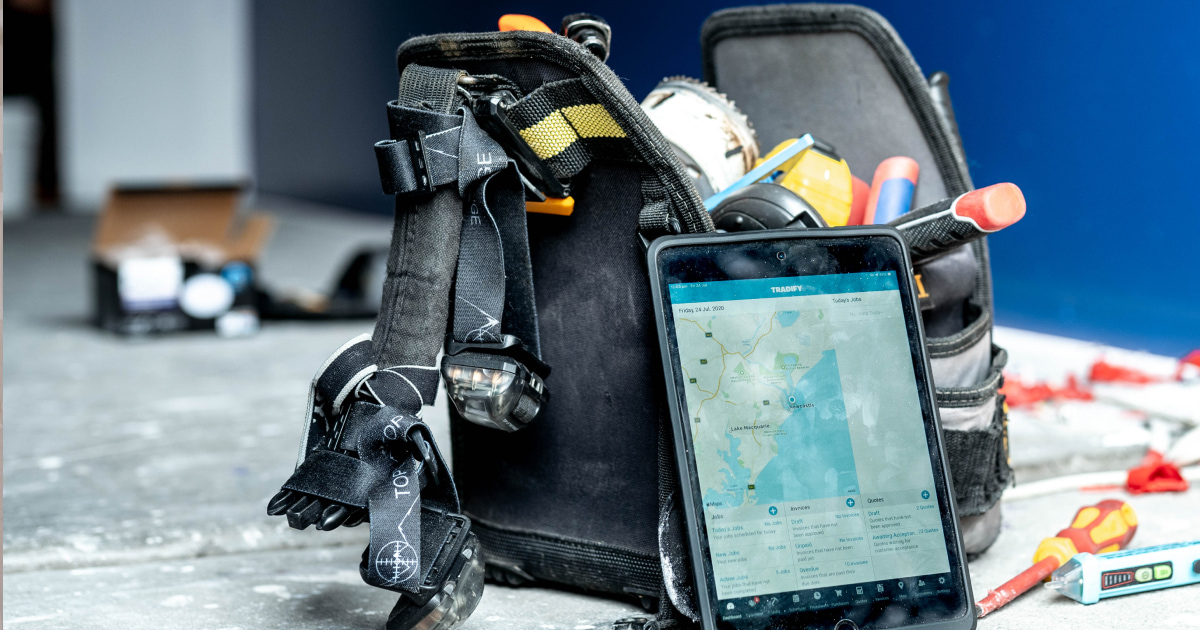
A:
<point x="974" y="427"/>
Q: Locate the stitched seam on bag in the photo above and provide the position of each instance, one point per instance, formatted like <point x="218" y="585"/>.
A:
<point x="556" y="539"/>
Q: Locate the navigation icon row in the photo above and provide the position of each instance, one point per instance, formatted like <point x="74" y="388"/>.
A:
<point x="897" y="588"/>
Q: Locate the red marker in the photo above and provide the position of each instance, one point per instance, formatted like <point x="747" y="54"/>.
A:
<point x="944" y="225"/>
<point x="892" y="188"/>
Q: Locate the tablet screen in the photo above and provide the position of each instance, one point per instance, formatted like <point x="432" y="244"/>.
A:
<point x="810" y="451"/>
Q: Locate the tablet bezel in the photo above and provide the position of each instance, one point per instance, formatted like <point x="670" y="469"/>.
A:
<point x="806" y="252"/>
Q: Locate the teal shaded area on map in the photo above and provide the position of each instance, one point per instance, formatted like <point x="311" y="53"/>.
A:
<point x="787" y="318"/>
<point x="815" y="458"/>
<point x="737" y="478"/>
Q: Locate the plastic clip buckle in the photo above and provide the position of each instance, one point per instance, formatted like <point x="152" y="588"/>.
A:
<point x="491" y="112"/>
<point x="421" y="443"/>
<point x="420" y="164"/>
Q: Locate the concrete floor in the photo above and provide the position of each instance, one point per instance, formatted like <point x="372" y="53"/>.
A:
<point x="136" y="472"/>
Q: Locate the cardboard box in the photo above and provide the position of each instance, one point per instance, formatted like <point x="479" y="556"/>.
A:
<point x="169" y="258"/>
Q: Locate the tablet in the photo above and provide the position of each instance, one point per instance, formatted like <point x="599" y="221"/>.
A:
<point x="815" y="485"/>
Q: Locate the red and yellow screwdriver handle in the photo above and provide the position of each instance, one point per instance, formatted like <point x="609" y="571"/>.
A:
<point x="1107" y="526"/>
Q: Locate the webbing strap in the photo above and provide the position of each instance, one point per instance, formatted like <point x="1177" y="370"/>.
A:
<point x="432" y="89"/>
<point x="656" y="218"/>
<point x="361" y="457"/>
<point x="493" y="293"/>
<point x="567" y="128"/>
<point x="431" y="144"/>
<point x="446" y="149"/>
<point x="479" y="288"/>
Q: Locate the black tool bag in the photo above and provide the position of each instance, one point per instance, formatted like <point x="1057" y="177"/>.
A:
<point x="584" y="496"/>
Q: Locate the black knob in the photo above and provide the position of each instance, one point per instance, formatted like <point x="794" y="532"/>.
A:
<point x="590" y="30"/>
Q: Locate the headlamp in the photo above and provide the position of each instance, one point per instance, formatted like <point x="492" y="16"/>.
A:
<point x="452" y="589"/>
<point x="497" y="385"/>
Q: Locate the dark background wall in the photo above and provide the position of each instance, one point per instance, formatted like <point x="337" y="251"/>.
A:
<point x="1089" y="106"/>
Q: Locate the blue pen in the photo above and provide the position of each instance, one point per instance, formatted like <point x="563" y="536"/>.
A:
<point x="1088" y="578"/>
<point x="762" y="170"/>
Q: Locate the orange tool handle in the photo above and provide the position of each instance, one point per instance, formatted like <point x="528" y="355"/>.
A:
<point x="1107" y="526"/>
<point x="518" y="22"/>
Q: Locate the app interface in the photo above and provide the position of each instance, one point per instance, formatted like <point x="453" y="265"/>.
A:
<point x="809" y="440"/>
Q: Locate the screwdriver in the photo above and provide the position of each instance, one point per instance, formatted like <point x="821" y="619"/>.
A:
<point x="1107" y="526"/>
<point x="942" y="226"/>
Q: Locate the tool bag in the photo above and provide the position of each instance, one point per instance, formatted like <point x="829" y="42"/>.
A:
<point x="584" y="495"/>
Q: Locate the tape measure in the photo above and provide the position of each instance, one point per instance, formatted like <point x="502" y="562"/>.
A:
<point x="713" y="138"/>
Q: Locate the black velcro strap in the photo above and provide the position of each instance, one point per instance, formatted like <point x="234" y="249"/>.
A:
<point x="567" y="127"/>
<point x="334" y="476"/>
<point x="979" y="464"/>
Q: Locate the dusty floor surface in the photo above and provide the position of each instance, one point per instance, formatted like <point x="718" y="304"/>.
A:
<point x="136" y="473"/>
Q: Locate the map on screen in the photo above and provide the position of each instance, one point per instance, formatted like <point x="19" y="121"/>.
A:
<point x="807" y="432"/>
<point x="771" y="390"/>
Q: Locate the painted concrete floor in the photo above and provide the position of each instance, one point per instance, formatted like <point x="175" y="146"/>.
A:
<point x="136" y="472"/>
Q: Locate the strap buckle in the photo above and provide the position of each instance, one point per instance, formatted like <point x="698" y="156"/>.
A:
<point x="420" y="164"/>
<point x="491" y="112"/>
<point x="392" y="166"/>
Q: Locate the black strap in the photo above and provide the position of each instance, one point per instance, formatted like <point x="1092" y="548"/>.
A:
<point x="493" y="292"/>
<point x="429" y="88"/>
<point x="657" y="218"/>
<point x="334" y="476"/>
<point x="479" y="287"/>
<point x="362" y="455"/>
<point x="456" y="151"/>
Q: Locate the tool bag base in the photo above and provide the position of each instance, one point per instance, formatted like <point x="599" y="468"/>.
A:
<point x="583" y="496"/>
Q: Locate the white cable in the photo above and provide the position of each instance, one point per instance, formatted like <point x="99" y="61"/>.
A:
<point x="1071" y="483"/>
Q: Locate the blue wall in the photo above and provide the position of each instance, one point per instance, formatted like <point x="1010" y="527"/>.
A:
<point x="1090" y="107"/>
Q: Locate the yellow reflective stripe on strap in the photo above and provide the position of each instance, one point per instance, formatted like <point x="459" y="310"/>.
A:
<point x="550" y="135"/>
<point x="592" y="121"/>
<point x="553" y="134"/>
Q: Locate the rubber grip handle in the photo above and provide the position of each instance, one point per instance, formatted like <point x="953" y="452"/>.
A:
<point x="1107" y="526"/>
<point x="945" y="225"/>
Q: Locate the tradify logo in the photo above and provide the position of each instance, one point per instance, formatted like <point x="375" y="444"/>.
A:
<point x="788" y="289"/>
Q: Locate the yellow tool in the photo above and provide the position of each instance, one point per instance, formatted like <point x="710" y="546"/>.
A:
<point x="820" y="177"/>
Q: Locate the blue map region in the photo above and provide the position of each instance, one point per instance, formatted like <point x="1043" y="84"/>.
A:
<point x="815" y="458"/>
<point x="737" y="479"/>
<point x="787" y="318"/>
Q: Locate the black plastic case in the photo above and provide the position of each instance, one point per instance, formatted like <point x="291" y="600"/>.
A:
<point x="696" y="547"/>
